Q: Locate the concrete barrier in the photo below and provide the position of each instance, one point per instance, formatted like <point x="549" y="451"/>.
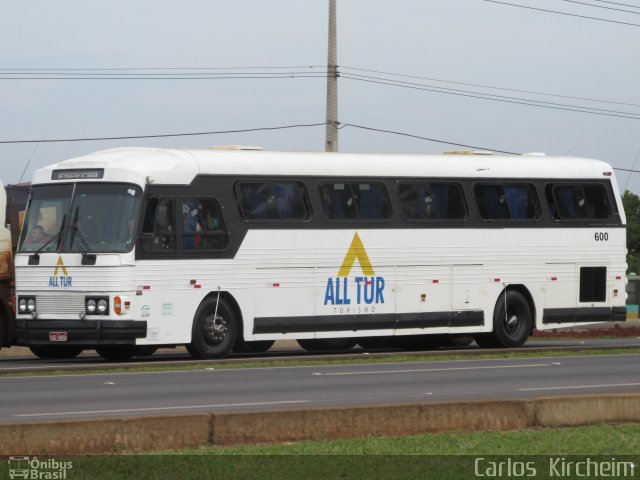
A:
<point x="136" y="434"/>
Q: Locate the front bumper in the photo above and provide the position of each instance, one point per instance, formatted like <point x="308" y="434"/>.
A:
<point x="87" y="333"/>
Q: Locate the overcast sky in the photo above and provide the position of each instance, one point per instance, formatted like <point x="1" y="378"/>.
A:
<point x="426" y="44"/>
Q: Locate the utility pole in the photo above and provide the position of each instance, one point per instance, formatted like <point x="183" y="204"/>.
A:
<point x="331" y="144"/>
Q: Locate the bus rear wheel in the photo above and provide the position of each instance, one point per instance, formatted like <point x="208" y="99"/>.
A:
<point x="214" y="330"/>
<point x="512" y="322"/>
<point x="56" y="352"/>
<point x="116" y="353"/>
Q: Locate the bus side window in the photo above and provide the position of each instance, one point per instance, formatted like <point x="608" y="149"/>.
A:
<point x="597" y="203"/>
<point x="203" y="225"/>
<point x="337" y="201"/>
<point x="254" y="200"/>
<point x="521" y="201"/>
<point x="571" y="202"/>
<point x="373" y="201"/>
<point x="148" y="222"/>
<point x="413" y="198"/>
<point x="289" y="201"/>
<point x="492" y="202"/>
<point x="158" y="226"/>
<point x="448" y="201"/>
<point x="553" y="207"/>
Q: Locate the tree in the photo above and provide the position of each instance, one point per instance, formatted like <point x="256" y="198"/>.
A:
<point x="631" y="203"/>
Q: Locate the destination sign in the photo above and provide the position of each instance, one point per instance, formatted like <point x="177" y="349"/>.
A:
<point x="78" y="174"/>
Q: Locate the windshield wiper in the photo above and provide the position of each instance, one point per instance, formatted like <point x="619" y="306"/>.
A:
<point x="34" y="259"/>
<point x="87" y="257"/>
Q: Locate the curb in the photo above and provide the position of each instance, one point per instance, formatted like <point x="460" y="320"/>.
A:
<point x="138" y="434"/>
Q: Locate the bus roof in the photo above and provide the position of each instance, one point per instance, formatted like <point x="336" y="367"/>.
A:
<point x="169" y="166"/>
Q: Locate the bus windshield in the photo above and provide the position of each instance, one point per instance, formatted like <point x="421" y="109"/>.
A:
<point x="83" y="218"/>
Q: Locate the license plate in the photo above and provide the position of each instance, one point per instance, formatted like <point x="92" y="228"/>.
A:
<point x="58" y="336"/>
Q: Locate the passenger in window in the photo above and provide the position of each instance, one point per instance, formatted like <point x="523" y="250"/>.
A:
<point x="37" y="236"/>
<point x="191" y="225"/>
<point x="332" y="204"/>
<point x="211" y="220"/>
<point x="283" y="195"/>
<point x="163" y="231"/>
<point x="259" y="202"/>
<point x="429" y="210"/>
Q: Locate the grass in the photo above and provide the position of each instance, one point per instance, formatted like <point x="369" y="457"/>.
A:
<point x="440" y="456"/>
<point x="605" y="439"/>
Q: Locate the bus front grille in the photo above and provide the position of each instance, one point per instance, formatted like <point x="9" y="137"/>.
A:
<point x="60" y="304"/>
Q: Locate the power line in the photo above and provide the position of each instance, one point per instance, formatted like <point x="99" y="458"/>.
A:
<point x="247" y="130"/>
<point x="498" y="98"/>
<point x="289" y="75"/>
<point x="491" y="87"/>
<point x="403" y="134"/>
<point x="616" y="3"/>
<point x="283" y="127"/>
<point x="294" y="67"/>
<point x="446" y="142"/>
<point x="600" y="6"/>
<point x="562" y="13"/>
<point x="164" y="135"/>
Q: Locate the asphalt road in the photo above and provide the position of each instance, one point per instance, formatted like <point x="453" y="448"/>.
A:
<point x="92" y="395"/>
<point x="17" y="359"/>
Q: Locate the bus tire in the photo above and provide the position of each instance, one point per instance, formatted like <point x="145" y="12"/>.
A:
<point x="256" y="346"/>
<point x="116" y="353"/>
<point x="57" y="352"/>
<point x="326" y="344"/>
<point x="213" y="335"/>
<point x="511" y="327"/>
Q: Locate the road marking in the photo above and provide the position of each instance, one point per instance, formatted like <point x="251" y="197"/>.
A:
<point x="575" y="387"/>
<point x="156" y="409"/>
<point x="417" y="370"/>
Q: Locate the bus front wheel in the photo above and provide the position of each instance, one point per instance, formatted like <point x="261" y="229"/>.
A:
<point x="214" y="329"/>
<point x="512" y="321"/>
<point x="57" y="352"/>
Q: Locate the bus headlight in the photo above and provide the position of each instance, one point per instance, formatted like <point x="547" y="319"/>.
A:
<point x="96" y="305"/>
<point x="27" y="305"/>
<point x="22" y="305"/>
<point x="91" y="305"/>
<point x="102" y="306"/>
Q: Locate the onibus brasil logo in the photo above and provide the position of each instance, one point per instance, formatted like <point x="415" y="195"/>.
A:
<point x="57" y="280"/>
<point x="362" y="293"/>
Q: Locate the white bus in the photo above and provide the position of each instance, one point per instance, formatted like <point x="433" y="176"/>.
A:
<point x="223" y="250"/>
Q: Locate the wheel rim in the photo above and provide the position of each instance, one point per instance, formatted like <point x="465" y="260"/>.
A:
<point x="215" y="329"/>
<point x="513" y="321"/>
